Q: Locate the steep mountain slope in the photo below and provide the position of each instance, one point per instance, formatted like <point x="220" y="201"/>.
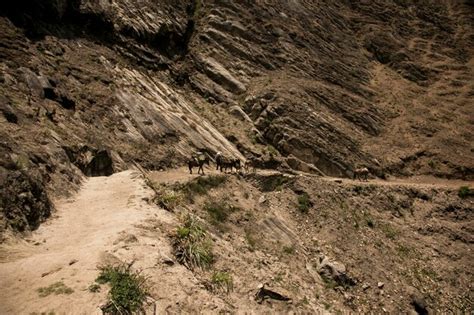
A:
<point x="307" y="87"/>
<point x="92" y="87"/>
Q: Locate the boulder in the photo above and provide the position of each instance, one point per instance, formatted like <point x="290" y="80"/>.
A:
<point x="24" y="203"/>
<point x="334" y="271"/>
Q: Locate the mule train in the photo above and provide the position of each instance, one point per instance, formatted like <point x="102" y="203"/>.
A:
<point x="224" y="163"/>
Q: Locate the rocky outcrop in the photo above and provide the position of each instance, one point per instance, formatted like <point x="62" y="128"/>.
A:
<point x="303" y="78"/>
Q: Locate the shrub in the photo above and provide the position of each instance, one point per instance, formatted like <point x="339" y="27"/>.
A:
<point x="221" y="281"/>
<point x="127" y="289"/>
<point x="272" y="151"/>
<point x="192" y="248"/>
<point x="289" y="250"/>
<point x="304" y="203"/>
<point x="465" y="191"/>
<point x="168" y="199"/>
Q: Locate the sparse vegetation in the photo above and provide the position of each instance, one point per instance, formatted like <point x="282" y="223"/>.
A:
<point x="465" y="191"/>
<point x="289" y="250"/>
<point x="272" y="151"/>
<point x="128" y="289"/>
<point x="21" y="161"/>
<point x="389" y="231"/>
<point x="404" y="251"/>
<point x="191" y="245"/>
<point x="56" y="288"/>
<point x="200" y="185"/>
<point x="304" y="203"/>
<point x="250" y="239"/>
<point x="431" y="164"/>
<point x="272" y="183"/>
<point x="219" y="210"/>
<point x="222" y="281"/>
<point x="168" y="199"/>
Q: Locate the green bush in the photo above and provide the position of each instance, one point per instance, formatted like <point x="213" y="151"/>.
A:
<point x="192" y="248"/>
<point x="128" y="290"/>
<point x="304" y="203"/>
<point x="222" y="281"/>
<point x="465" y="191"/>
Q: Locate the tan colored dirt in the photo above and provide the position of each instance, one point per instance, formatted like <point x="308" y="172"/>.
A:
<point x="83" y="231"/>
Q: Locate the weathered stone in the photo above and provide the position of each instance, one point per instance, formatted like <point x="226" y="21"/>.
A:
<point x="239" y="113"/>
<point x="221" y="75"/>
<point x="334" y="271"/>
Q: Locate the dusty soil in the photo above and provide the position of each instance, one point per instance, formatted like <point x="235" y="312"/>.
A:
<point x="111" y="220"/>
<point x="84" y="233"/>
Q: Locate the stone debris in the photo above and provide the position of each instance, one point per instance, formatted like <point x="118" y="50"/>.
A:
<point x="264" y="293"/>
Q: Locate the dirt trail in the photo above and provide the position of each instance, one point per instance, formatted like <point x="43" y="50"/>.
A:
<point x="69" y="247"/>
<point x="415" y="181"/>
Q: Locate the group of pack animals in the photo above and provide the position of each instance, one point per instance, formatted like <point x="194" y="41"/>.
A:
<point x="224" y="164"/>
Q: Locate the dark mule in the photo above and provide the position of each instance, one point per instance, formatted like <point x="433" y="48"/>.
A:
<point x="219" y="158"/>
<point x="251" y="165"/>
<point x="195" y="162"/>
<point x="226" y="163"/>
<point x="361" y="173"/>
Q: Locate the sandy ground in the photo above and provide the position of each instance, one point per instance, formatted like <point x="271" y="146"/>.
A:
<point x="69" y="247"/>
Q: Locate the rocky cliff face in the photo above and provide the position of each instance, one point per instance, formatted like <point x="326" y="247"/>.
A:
<point x="91" y="87"/>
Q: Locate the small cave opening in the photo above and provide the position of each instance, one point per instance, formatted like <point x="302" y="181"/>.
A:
<point x="92" y="162"/>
